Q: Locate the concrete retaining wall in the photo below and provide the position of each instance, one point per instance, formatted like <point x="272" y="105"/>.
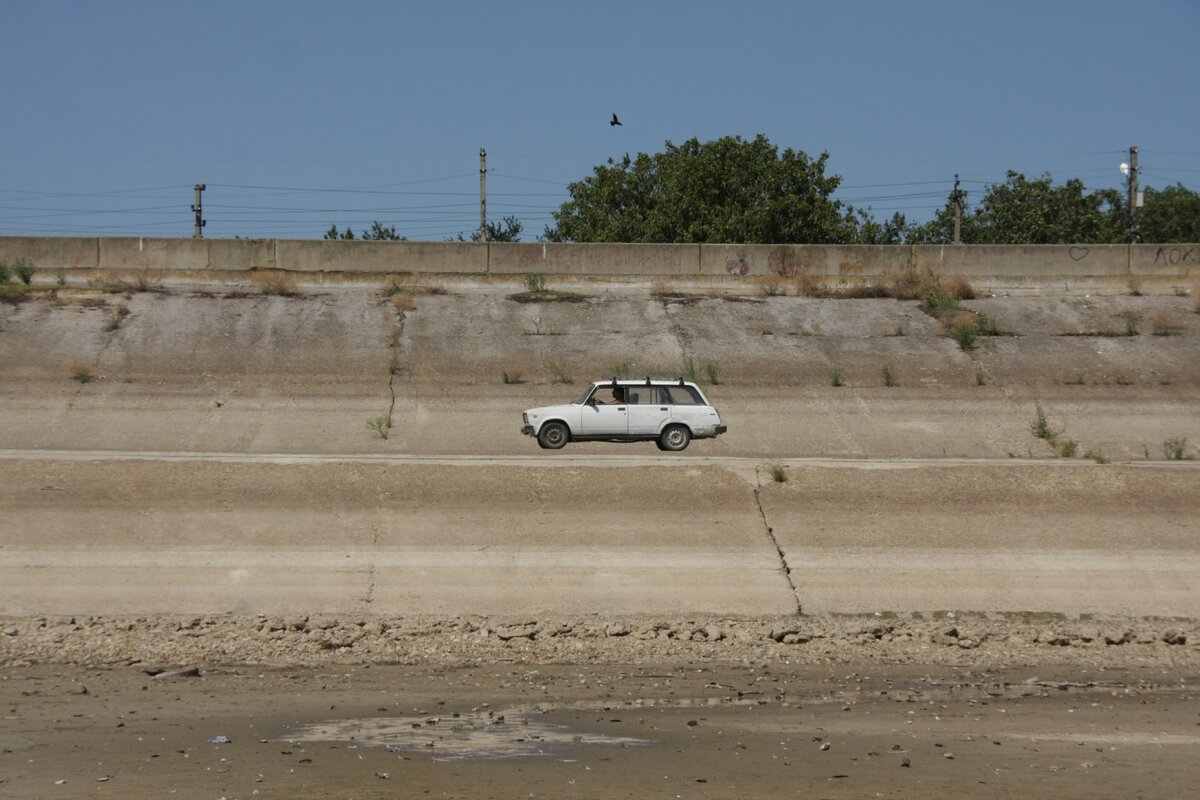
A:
<point x="844" y="263"/>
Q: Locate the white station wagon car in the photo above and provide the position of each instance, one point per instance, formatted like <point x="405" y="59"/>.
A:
<point x="668" y="412"/>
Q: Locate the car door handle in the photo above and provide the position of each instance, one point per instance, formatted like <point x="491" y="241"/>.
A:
<point x="663" y="408"/>
<point x="620" y="408"/>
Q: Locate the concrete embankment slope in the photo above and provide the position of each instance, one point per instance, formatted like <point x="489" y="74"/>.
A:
<point x="200" y="371"/>
<point x="98" y="535"/>
<point x="194" y="373"/>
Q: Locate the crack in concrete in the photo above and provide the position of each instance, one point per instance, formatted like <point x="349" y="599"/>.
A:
<point x="680" y="339"/>
<point x="783" y="562"/>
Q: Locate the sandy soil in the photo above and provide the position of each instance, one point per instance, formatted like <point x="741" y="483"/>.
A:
<point x="678" y="730"/>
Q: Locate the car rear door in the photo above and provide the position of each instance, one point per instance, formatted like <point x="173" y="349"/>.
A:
<point x="647" y="410"/>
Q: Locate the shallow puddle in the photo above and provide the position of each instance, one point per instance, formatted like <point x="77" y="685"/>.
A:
<point x="471" y="736"/>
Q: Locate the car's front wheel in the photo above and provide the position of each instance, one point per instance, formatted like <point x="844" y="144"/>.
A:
<point x="675" y="438"/>
<point x="553" y="436"/>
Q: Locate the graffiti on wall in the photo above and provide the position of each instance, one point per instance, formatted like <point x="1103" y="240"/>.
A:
<point x="788" y="262"/>
<point x="738" y="266"/>
<point x="1175" y="255"/>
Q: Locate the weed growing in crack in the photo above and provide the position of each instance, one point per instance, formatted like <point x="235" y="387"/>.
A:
<point x="889" y="376"/>
<point x="1040" y="427"/>
<point x="836" y="378"/>
<point x="116" y="318"/>
<point x="964" y="335"/>
<point x="535" y="282"/>
<point x="778" y="473"/>
<point x="1097" y="456"/>
<point x="382" y="426"/>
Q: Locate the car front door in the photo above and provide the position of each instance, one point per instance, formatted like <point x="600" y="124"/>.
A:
<point x="647" y="410"/>
<point x="604" y="419"/>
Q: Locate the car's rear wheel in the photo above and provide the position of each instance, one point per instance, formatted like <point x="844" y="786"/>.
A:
<point x="553" y="436"/>
<point x="675" y="438"/>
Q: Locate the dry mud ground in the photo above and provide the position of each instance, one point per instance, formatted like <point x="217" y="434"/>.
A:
<point x="341" y="613"/>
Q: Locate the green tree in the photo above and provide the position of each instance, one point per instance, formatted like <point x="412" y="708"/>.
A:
<point x="378" y="233"/>
<point x="726" y="190"/>
<point x="1170" y="215"/>
<point x="869" y="231"/>
<point x="1024" y="211"/>
<point x="333" y="233"/>
<point x="509" y="230"/>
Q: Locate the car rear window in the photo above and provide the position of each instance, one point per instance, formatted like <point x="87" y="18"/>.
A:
<point x="681" y="395"/>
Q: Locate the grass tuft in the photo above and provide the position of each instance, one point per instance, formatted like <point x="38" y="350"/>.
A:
<point x="836" y="378"/>
<point x="713" y="371"/>
<point x="690" y="370"/>
<point x="25" y="270"/>
<point x="889" y="376"/>
<point x="778" y="473"/>
<point x="558" y="373"/>
<point x="279" y="284"/>
<point x="80" y="372"/>
<point x="1097" y="456"/>
<point x="1175" y="449"/>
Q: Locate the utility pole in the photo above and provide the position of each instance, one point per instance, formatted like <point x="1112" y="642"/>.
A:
<point x="197" y="209"/>
<point x="956" y="197"/>
<point x="1134" y="199"/>
<point x="482" y="195"/>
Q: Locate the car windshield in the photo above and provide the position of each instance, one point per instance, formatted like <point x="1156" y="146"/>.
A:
<point x="583" y="397"/>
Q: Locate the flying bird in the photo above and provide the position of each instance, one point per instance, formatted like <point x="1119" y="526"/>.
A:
<point x="615" y="121"/>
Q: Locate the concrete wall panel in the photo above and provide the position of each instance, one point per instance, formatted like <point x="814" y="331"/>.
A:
<point x="594" y="259"/>
<point x="380" y="257"/>
<point x="47" y="253"/>
<point x="1165" y="260"/>
<point x="845" y="263"/>
<point x="1026" y="261"/>
<point x="143" y="253"/>
<point x="241" y="254"/>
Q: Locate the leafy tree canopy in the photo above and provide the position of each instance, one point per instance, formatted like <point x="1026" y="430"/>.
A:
<point x="1024" y="211"/>
<point x="726" y="190"/>
<point x="1170" y="215"/>
<point x="507" y="231"/>
<point x="378" y="233"/>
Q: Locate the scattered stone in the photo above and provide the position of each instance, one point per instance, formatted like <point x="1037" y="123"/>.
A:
<point x="186" y="672"/>
<point x="1174" y="636"/>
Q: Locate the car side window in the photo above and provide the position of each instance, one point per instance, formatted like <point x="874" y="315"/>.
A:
<point x="681" y="395"/>
<point x="642" y="395"/>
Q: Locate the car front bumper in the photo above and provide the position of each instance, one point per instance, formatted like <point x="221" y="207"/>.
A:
<point x="527" y="430"/>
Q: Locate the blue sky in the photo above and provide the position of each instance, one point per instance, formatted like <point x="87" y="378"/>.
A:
<point x="301" y="114"/>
